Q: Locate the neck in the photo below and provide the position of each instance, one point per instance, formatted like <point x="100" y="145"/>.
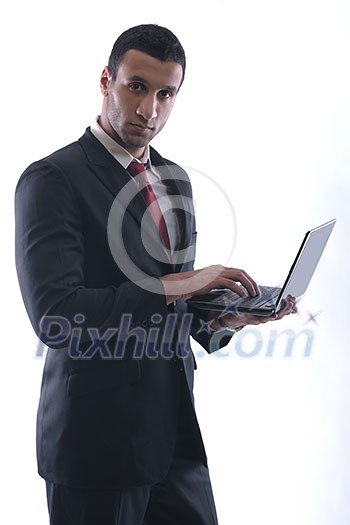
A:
<point x="107" y="128"/>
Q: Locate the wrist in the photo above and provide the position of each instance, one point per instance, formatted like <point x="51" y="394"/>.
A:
<point x="220" y="321"/>
<point x="174" y="288"/>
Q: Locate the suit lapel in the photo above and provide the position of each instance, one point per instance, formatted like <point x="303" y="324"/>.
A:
<point x="113" y="176"/>
<point x="178" y="185"/>
<point x="117" y="180"/>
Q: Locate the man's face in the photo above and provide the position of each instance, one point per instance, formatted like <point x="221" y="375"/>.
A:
<point x="138" y="102"/>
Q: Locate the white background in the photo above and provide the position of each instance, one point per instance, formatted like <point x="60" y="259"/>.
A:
<point x="265" y="112"/>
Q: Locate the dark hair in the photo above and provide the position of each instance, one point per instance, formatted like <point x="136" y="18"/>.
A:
<point x="157" y="41"/>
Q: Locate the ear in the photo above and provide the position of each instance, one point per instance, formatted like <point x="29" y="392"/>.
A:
<point x="105" y="81"/>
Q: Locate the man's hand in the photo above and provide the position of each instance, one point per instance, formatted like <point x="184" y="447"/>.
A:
<point x="288" y="306"/>
<point x="198" y="282"/>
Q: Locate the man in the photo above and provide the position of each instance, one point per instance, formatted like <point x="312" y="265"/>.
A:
<point x="117" y="437"/>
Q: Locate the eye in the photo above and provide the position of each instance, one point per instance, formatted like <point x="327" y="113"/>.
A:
<point x="165" y="93"/>
<point x="136" y="87"/>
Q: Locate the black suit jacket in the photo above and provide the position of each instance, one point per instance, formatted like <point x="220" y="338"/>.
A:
<point x="101" y="422"/>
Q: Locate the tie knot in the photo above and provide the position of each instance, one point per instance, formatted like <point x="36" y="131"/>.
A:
<point x="136" y="168"/>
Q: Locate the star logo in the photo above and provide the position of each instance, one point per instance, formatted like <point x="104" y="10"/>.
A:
<point x="205" y="327"/>
<point x="312" y="317"/>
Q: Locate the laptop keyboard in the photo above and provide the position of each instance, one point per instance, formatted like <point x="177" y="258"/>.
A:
<point x="268" y="294"/>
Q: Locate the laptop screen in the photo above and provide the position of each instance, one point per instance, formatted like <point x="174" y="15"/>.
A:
<point x="306" y="260"/>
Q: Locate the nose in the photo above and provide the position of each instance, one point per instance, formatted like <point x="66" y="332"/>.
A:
<point x="147" y="108"/>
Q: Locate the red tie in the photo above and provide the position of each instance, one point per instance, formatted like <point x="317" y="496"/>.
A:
<point x="136" y="168"/>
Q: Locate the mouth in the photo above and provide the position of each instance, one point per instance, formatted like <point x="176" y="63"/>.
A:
<point x="141" y="129"/>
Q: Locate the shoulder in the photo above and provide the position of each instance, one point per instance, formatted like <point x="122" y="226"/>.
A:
<point x="60" y="158"/>
<point x="61" y="163"/>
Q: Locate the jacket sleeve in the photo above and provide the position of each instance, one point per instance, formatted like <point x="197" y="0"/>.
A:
<point x="50" y="259"/>
<point x="202" y="333"/>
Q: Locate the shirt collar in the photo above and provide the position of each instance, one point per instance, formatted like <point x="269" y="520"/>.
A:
<point x="115" y="149"/>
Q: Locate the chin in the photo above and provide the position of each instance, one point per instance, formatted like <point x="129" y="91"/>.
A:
<point x="136" y="143"/>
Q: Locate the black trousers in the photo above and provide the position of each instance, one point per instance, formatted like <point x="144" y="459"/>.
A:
<point x="183" y="497"/>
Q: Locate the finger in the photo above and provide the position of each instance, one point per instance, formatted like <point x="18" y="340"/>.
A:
<point x="295" y="308"/>
<point x="291" y="303"/>
<point x="287" y="307"/>
<point x="232" y="285"/>
<point x="245" y="279"/>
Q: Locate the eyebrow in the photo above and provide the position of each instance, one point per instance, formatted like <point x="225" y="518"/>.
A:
<point x="137" y="78"/>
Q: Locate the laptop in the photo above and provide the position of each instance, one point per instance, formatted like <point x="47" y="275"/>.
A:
<point x="270" y="298"/>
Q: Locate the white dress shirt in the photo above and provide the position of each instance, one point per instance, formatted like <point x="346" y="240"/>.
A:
<point x="158" y="186"/>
